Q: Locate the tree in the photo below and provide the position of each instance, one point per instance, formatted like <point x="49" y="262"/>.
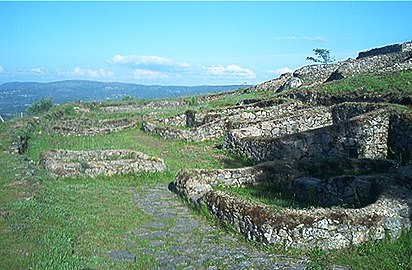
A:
<point x="41" y="106"/>
<point x="322" y="56"/>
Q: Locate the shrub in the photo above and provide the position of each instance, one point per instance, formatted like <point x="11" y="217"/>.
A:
<point x="41" y="106"/>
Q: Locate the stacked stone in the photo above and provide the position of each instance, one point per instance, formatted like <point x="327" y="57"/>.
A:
<point x="152" y="105"/>
<point x="66" y="163"/>
<point x="212" y="124"/>
<point x="271" y="85"/>
<point x="83" y="127"/>
<point x="299" y="121"/>
<point x="327" y="228"/>
<point x="315" y="74"/>
<point x="400" y="137"/>
<point x="363" y="136"/>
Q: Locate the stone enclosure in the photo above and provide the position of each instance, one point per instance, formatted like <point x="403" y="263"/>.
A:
<point x="386" y="205"/>
<point x="66" y="163"/>
<point x="88" y="127"/>
<point x="342" y="130"/>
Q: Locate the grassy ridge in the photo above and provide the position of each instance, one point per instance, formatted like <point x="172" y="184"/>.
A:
<point x="371" y="83"/>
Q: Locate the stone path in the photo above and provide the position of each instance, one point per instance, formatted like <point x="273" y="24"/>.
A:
<point x="179" y="239"/>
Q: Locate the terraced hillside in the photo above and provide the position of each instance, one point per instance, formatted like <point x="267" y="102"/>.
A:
<point x="315" y="176"/>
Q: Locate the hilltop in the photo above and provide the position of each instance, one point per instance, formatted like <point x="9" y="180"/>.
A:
<point x="312" y="168"/>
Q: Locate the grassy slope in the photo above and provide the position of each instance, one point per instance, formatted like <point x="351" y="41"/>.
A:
<point x="371" y="83"/>
<point x="72" y="223"/>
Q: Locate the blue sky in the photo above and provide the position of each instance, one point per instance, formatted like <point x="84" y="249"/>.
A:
<point x="186" y="43"/>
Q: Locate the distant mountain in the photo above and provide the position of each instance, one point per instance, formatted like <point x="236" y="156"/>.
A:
<point x="15" y="97"/>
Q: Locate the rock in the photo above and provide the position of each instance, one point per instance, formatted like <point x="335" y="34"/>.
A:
<point x="293" y="82"/>
<point x="306" y="189"/>
<point x="122" y="255"/>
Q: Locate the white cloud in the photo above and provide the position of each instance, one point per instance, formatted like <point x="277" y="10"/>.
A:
<point x="91" y="73"/>
<point x="151" y="63"/>
<point x="315" y="39"/>
<point x="138" y="60"/>
<point x="39" y="71"/>
<point x="305" y="38"/>
<point x="149" y="74"/>
<point x="2" y="69"/>
<point x="280" y="71"/>
<point x="230" y="71"/>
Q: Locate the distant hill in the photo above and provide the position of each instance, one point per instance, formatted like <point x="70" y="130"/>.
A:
<point x="15" y="97"/>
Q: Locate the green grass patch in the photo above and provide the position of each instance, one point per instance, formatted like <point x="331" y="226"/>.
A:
<point x="176" y="154"/>
<point x="232" y="100"/>
<point x="276" y="197"/>
<point x="371" y="83"/>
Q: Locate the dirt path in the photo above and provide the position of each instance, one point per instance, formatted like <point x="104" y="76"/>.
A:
<point x="178" y="239"/>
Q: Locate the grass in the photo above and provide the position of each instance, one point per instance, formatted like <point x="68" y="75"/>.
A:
<point x="276" y="197"/>
<point x="370" y="83"/>
<point x="66" y="224"/>
<point x="176" y="154"/>
<point x="235" y="99"/>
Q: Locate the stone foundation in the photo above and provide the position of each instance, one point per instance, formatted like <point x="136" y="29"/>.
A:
<point x="327" y="228"/>
<point x="379" y="133"/>
<point x="215" y="124"/>
<point x="89" y="127"/>
<point x="358" y="130"/>
<point x="152" y="105"/>
<point x="66" y="163"/>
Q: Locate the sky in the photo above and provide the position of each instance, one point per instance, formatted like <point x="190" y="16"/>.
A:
<point x="187" y="43"/>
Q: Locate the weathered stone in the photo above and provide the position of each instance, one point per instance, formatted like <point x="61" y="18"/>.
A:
<point x="66" y="163"/>
<point x="327" y="228"/>
<point x="89" y="127"/>
<point x="293" y="82"/>
<point x="122" y="255"/>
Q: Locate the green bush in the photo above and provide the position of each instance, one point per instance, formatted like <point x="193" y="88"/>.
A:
<point x="41" y="106"/>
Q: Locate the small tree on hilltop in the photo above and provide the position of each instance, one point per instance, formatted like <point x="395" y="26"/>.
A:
<point x="322" y="56"/>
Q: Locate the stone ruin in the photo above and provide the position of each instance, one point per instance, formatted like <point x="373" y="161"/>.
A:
<point x="357" y="130"/>
<point x="213" y="124"/>
<point x="151" y="105"/>
<point x="347" y="159"/>
<point x="66" y="163"/>
<point x="365" y="208"/>
<point x="377" y="203"/>
<point x="391" y="58"/>
<point x="87" y="127"/>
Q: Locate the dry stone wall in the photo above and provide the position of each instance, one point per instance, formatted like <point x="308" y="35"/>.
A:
<point x="83" y="127"/>
<point x="390" y="58"/>
<point x="364" y="136"/>
<point x="271" y="85"/>
<point x="66" y="163"/>
<point x="152" y="105"/>
<point x="299" y="121"/>
<point x="327" y="228"/>
<point x="315" y="74"/>
<point x="395" y="48"/>
<point x="400" y="137"/>
<point x="373" y="64"/>
<point x="212" y="124"/>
